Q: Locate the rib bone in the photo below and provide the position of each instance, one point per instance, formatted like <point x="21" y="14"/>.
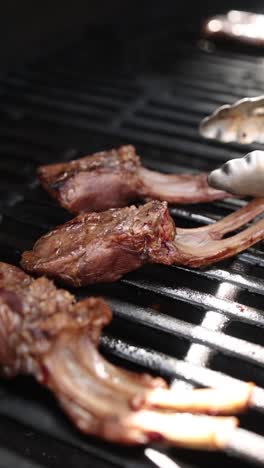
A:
<point x="102" y="247"/>
<point x="45" y="333"/>
<point x="204" y="245"/>
<point x="116" y="178"/>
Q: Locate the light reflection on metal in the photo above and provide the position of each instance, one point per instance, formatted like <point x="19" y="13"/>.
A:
<point x="239" y="25"/>
<point x="160" y="459"/>
<point x="215" y="25"/>
<point x="241" y="122"/>
<point x="241" y="176"/>
<point x="234" y="16"/>
<point x="199" y="354"/>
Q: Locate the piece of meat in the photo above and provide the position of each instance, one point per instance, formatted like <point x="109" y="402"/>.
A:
<point x="115" y="178"/>
<point x="44" y="332"/>
<point x="101" y="247"/>
<point x="242" y="122"/>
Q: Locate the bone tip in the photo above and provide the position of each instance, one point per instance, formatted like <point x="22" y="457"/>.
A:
<point x="224" y="432"/>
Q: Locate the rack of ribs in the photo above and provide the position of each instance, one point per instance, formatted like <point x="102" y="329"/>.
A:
<point x="46" y="333"/>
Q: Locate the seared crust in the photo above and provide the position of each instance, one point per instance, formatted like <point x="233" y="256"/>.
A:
<point x="116" y="178"/>
<point x="33" y="312"/>
<point x="46" y="333"/>
<point x="108" y="179"/>
<point x="101" y="247"/>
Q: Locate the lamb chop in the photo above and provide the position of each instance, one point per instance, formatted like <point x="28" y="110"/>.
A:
<point x="115" y="178"/>
<point x="101" y="247"/>
<point x="241" y="122"/>
<point x="44" y="332"/>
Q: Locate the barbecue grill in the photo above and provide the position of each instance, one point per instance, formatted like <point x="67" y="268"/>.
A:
<point x="195" y="327"/>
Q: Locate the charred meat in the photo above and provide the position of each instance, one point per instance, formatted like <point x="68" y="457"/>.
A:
<point x="44" y="332"/>
<point x="115" y="178"/>
<point x="102" y="247"/>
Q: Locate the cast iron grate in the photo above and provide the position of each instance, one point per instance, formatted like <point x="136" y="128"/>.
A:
<point x="203" y="327"/>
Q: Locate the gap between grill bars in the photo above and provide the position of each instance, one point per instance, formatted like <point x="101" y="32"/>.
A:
<point x="50" y="114"/>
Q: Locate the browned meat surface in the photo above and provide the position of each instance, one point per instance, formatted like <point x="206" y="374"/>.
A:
<point x="101" y="247"/>
<point x="115" y="178"/>
<point x="94" y="183"/>
<point x="46" y="333"/>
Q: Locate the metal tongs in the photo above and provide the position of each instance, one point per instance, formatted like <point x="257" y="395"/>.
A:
<point x="242" y="176"/>
<point x="242" y="122"/>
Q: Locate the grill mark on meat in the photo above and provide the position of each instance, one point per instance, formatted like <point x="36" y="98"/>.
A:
<point x="102" y="247"/>
<point x="116" y="178"/>
<point x="55" y="339"/>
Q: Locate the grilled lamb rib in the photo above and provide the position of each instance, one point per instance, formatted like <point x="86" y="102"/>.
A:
<point x="101" y="247"/>
<point x="115" y="178"/>
<point x="46" y="333"/>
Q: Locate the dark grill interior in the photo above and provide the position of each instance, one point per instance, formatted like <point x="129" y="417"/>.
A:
<point x="199" y="327"/>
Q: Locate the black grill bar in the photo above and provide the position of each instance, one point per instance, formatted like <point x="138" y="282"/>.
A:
<point x="246" y="445"/>
<point x="166" y="131"/>
<point x="251" y="284"/>
<point x="205" y="301"/>
<point x="243" y="444"/>
<point x="198" y="334"/>
<point x="194" y="327"/>
<point x="10" y="459"/>
<point x="173" y="368"/>
<point x="61" y="441"/>
<point x="220" y="341"/>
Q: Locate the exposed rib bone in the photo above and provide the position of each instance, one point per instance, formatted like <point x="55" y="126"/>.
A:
<point x="98" y="405"/>
<point x="45" y="333"/>
<point x="116" y="178"/>
<point x="242" y="122"/>
<point x="181" y="188"/>
<point x="102" y="247"/>
<point x="186" y="430"/>
<point x="231" y="222"/>
<point x="202" y="246"/>
<point x="212" y="401"/>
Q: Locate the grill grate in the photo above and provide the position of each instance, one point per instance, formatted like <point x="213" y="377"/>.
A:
<point x="203" y="327"/>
